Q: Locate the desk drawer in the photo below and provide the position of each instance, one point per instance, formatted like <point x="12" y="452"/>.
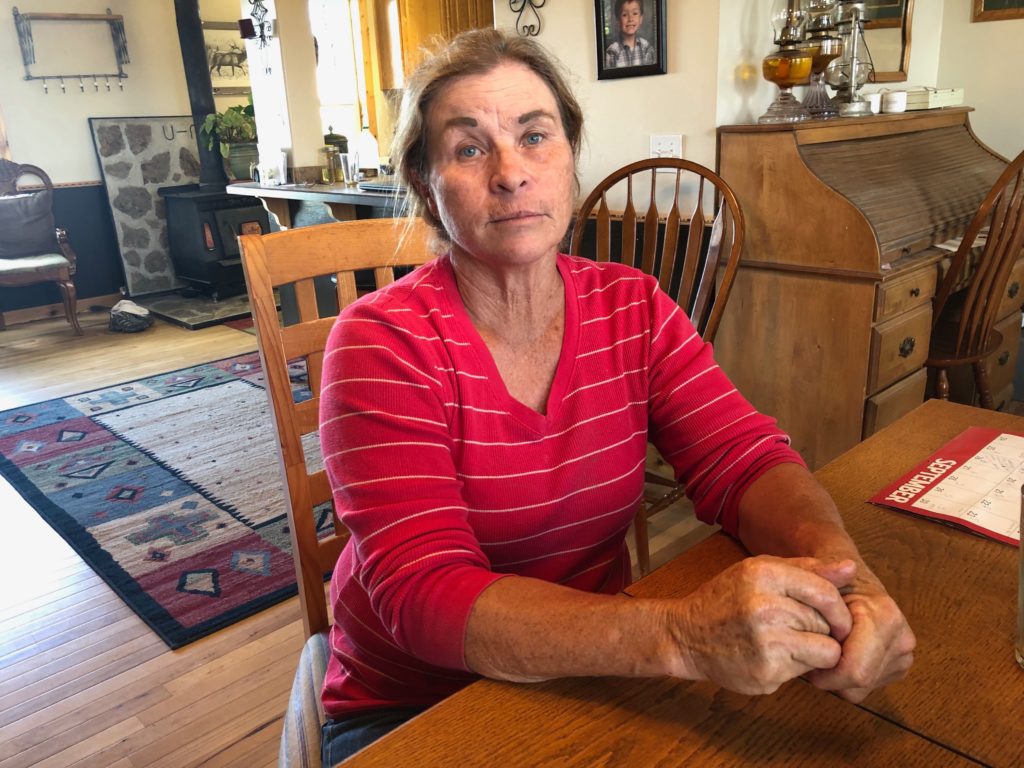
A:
<point x="898" y="347"/>
<point x="1013" y="296"/>
<point x="883" y="409"/>
<point x="905" y="292"/>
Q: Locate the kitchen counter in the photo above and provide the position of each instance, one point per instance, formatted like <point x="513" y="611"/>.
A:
<point x="345" y="203"/>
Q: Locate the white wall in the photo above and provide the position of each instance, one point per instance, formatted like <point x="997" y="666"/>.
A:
<point x="621" y="114"/>
<point x="714" y="75"/>
<point x="52" y="130"/>
<point x="984" y="59"/>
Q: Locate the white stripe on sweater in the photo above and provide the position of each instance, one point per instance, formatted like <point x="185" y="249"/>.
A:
<point x="558" y="499"/>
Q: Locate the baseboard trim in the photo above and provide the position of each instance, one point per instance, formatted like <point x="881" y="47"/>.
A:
<point x="47" y="311"/>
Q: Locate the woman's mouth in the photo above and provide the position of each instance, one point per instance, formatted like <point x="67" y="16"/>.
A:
<point x="514" y="216"/>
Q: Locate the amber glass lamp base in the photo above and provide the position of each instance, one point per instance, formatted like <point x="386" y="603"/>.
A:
<point x="786" y="68"/>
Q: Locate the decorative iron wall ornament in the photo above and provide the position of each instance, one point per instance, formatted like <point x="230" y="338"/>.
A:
<point x="530" y="25"/>
<point x="259" y="14"/>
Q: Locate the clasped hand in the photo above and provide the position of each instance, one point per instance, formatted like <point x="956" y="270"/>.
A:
<point x="766" y="620"/>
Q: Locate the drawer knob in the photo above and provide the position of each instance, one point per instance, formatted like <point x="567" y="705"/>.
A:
<point x="1014" y="289"/>
<point x="915" y="292"/>
<point x="907" y="346"/>
<point x="1004" y="358"/>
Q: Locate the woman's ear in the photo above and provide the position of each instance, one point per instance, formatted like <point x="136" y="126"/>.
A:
<point x="423" y="190"/>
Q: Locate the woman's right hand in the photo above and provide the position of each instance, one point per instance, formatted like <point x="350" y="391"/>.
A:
<point x="762" y="622"/>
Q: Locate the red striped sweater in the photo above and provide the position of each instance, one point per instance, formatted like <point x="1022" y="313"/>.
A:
<point x="447" y="483"/>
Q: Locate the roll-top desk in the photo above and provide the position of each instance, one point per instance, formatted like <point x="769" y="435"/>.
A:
<point x="828" y="324"/>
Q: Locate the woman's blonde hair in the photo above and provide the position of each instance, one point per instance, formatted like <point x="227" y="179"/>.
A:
<point x="475" y="52"/>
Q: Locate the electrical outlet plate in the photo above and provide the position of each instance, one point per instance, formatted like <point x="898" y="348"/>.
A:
<point x="667" y="145"/>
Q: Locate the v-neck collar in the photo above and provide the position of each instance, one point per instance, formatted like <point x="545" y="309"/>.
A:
<point x="538" y="422"/>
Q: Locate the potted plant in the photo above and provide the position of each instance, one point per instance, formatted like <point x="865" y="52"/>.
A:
<point x="235" y="130"/>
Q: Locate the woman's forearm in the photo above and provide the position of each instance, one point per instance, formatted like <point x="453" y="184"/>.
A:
<point x="526" y="630"/>
<point x="787" y="513"/>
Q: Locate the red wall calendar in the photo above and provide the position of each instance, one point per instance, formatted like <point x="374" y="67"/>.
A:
<point x="973" y="481"/>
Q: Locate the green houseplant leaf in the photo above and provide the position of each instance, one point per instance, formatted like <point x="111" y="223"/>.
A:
<point x="234" y="125"/>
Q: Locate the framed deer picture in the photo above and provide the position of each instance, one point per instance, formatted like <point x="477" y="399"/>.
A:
<point x="226" y="58"/>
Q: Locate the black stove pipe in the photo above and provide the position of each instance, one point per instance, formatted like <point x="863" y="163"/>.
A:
<point x="200" y="91"/>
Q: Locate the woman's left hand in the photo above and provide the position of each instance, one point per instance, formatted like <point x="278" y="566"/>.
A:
<point x="879" y="649"/>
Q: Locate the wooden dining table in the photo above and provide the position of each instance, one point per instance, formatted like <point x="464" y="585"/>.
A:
<point x="961" y="704"/>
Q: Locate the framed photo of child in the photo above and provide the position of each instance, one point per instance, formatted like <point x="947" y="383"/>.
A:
<point x="630" y="38"/>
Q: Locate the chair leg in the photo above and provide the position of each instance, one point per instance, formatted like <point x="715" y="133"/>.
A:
<point x="67" y="292"/>
<point x="643" y="549"/>
<point x="981" y="382"/>
<point x="942" y="384"/>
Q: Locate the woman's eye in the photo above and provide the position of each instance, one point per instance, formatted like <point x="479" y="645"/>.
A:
<point x="534" y="138"/>
<point x="468" y="152"/>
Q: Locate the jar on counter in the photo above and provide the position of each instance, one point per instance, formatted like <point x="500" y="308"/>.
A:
<point x="330" y="167"/>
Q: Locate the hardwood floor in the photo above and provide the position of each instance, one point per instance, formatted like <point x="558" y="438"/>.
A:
<point x="83" y="682"/>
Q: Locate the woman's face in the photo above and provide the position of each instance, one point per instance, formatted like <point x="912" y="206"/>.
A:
<point x="501" y="169"/>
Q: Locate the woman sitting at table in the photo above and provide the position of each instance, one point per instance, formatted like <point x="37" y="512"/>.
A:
<point x="484" y="422"/>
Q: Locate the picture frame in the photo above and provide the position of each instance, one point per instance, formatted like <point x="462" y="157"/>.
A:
<point x="615" y="57"/>
<point x="997" y="10"/>
<point x="882" y="14"/>
<point x="227" y="58"/>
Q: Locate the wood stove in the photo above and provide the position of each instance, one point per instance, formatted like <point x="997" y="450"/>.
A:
<point x="202" y="230"/>
<point x="203" y="221"/>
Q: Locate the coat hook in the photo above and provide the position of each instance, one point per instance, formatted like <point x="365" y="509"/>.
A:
<point x="95" y="84"/>
<point x="107" y="80"/>
<point x="46" y="88"/>
<point x="63" y="88"/>
<point x="81" y="84"/>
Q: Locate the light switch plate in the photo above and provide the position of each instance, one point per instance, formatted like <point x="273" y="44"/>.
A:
<point x="667" y="145"/>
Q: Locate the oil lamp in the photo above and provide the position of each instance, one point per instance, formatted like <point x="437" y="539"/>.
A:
<point x="853" y="67"/>
<point x="788" y="66"/>
<point x="824" y="45"/>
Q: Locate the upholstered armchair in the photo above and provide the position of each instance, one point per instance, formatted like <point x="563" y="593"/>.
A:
<point x="32" y="248"/>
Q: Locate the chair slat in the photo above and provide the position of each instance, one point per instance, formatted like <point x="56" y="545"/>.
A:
<point x="300" y="340"/>
<point x="670" y="247"/>
<point x="651" y="228"/>
<point x="307" y="415"/>
<point x="346" y="288"/>
<point x="604" y="231"/>
<point x="628" y="247"/>
<point x="694" y="242"/>
<point x="305" y="298"/>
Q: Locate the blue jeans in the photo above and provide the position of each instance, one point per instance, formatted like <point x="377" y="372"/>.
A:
<point x="343" y="738"/>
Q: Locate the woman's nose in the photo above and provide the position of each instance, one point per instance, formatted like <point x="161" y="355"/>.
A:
<point x="509" y="171"/>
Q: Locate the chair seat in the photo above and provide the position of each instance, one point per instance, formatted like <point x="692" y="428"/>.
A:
<point x="43" y="264"/>
<point x="943" y="353"/>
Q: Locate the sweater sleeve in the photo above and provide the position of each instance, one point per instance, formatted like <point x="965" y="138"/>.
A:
<point x="715" y="440"/>
<point x="387" y="446"/>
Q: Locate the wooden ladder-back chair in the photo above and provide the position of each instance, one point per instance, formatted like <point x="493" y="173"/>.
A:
<point x="295" y="258"/>
<point x="694" y="265"/>
<point x="962" y="317"/>
<point x="32" y="248"/>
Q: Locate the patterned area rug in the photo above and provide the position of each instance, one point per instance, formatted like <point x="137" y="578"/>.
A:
<point x="169" y="488"/>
